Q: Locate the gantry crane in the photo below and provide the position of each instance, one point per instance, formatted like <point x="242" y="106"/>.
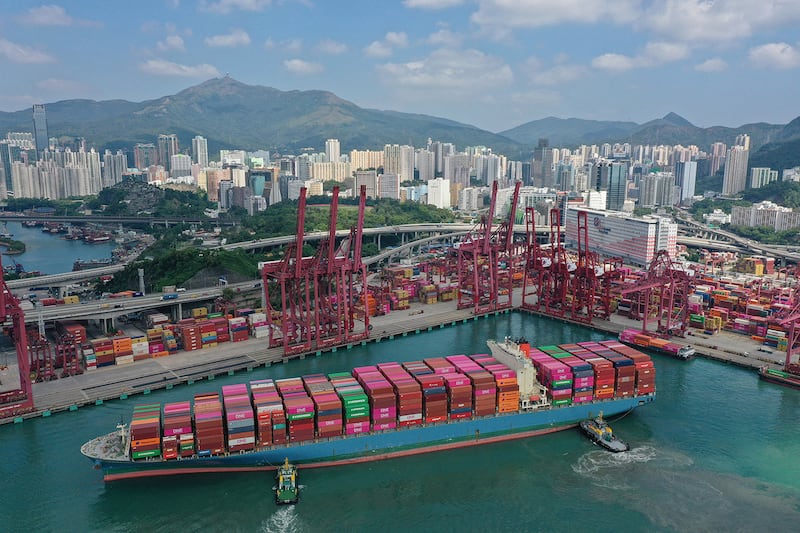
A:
<point x="662" y="293"/>
<point x="15" y="397"/>
<point x="478" y="257"/>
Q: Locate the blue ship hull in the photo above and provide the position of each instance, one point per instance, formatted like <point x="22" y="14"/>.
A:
<point x="382" y="444"/>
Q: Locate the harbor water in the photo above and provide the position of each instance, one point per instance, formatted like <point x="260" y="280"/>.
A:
<point x="50" y="253"/>
<point x="717" y="451"/>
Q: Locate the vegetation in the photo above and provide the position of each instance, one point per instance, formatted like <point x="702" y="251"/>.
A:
<point x="708" y="205"/>
<point x="785" y="193"/>
<point x="12" y="247"/>
<point x="766" y="235"/>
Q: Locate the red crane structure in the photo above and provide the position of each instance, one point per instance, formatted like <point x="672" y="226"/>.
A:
<point x="339" y="278"/>
<point x="321" y="298"/>
<point x="478" y="257"/>
<point x="547" y="272"/>
<point x="289" y="279"/>
<point x="790" y="318"/>
<point x="577" y="286"/>
<point x="662" y="293"/>
<point x="15" y="398"/>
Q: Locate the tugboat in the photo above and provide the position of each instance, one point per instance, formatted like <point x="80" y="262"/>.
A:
<point x="600" y="433"/>
<point x="286" y="490"/>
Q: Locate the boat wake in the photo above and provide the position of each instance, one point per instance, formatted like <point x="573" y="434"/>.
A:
<point x="603" y="467"/>
<point x="283" y="520"/>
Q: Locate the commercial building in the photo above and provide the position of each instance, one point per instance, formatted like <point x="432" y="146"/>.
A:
<point x="612" y="234"/>
<point x="685" y="179"/>
<point x="439" y="193"/>
<point x="369" y="178"/>
<point x="42" y="139"/>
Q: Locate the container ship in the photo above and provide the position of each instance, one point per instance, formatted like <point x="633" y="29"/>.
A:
<point x="640" y="339"/>
<point x="380" y="412"/>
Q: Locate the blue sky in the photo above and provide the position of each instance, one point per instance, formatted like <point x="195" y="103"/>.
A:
<point x="491" y="63"/>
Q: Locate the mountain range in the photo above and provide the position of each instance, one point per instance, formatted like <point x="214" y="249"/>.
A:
<point x="231" y="114"/>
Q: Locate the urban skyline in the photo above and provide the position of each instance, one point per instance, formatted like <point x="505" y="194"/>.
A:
<point x="489" y="63"/>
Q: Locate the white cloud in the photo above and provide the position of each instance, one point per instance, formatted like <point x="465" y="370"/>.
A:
<point x="160" y="67"/>
<point x="226" y="6"/>
<point x="398" y="39"/>
<point x="445" y="37"/>
<point x="237" y="37"/>
<point x="432" y="4"/>
<point x="500" y="16"/>
<point x="292" y="46"/>
<point x="298" y="66"/>
<point x="714" y="64"/>
<point x="329" y="46"/>
<point x="172" y="42"/>
<point x="52" y="15"/>
<point x="654" y="54"/>
<point x="18" y="53"/>
<point x="614" y="62"/>
<point x="775" y="55"/>
<point x="378" y="49"/>
<point x="457" y="71"/>
<point x="717" y="20"/>
<point x="386" y="47"/>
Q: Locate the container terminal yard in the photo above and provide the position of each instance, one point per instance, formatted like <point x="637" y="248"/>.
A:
<point x="489" y="272"/>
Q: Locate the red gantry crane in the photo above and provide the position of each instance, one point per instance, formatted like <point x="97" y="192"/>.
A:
<point x="478" y="256"/>
<point x="662" y="293"/>
<point x="16" y="395"/>
<point x="288" y="280"/>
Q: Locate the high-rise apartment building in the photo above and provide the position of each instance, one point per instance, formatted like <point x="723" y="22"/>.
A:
<point x="399" y="160"/>
<point x="685" y="178"/>
<point x="181" y="165"/>
<point x="167" y="147"/>
<point x="718" y="151"/>
<point x="332" y="150"/>
<point x="369" y="178"/>
<point x="426" y="164"/>
<point x="389" y="185"/>
<point x="40" y="129"/>
<point x="735" y="179"/>
<point x="200" y="151"/>
<point x="761" y="176"/>
<point x="439" y="193"/>
<point x="114" y="166"/>
<point x="145" y="155"/>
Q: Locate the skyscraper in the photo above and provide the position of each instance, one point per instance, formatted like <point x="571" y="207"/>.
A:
<point x="200" y="151"/>
<point x="543" y="165"/>
<point x="685" y="176"/>
<point x="167" y="147"/>
<point x="611" y="176"/>
<point x="735" y="178"/>
<point x="40" y="129"/>
<point x="332" y="150"/>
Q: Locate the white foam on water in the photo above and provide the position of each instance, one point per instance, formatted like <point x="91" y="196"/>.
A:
<point x="283" y="520"/>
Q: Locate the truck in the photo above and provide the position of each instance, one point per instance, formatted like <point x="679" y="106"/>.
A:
<point x="170" y="296"/>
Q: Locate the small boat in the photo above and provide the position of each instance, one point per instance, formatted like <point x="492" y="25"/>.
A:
<point x="286" y="489"/>
<point x="600" y="433"/>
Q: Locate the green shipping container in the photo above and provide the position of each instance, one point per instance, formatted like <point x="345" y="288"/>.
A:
<point x="567" y="401"/>
<point x="561" y="383"/>
<point x="146" y="453"/>
<point x="299" y="416"/>
<point x="278" y="426"/>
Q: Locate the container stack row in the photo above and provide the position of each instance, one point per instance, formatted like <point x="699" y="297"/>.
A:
<point x="146" y="431"/>
<point x="209" y="431"/>
<point x="327" y="406"/>
<point x="178" y="439"/>
<point x="354" y="401"/>
<point x="299" y="409"/>
<point x="382" y="399"/>
<point x="270" y="416"/>
<point x="239" y="419"/>
<point x="408" y="393"/>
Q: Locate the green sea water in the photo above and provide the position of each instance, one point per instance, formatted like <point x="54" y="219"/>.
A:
<point x="718" y="451"/>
